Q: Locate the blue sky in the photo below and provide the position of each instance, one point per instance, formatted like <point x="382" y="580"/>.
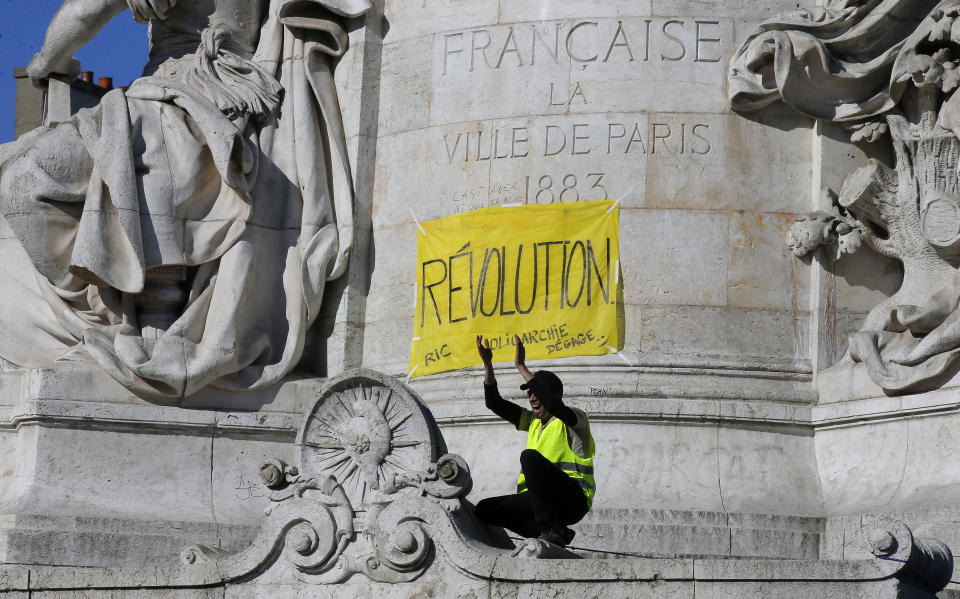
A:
<point x="119" y="51"/>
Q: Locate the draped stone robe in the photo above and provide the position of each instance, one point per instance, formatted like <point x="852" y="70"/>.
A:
<point x="230" y="164"/>
<point x="854" y="60"/>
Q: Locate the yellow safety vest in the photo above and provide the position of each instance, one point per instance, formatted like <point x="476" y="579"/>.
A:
<point x="552" y="444"/>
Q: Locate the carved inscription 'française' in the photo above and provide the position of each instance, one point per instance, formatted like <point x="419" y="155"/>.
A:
<point x="575" y="139"/>
<point x="585" y="42"/>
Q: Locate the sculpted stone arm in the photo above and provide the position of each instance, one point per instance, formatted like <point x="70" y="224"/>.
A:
<point x="75" y="24"/>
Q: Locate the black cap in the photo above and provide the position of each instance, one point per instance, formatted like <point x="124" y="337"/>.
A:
<point x="544" y="382"/>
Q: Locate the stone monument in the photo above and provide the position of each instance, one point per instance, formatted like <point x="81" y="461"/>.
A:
<point x="208" y="282"/>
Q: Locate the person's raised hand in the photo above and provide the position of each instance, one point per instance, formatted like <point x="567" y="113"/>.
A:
<point x="520" y="357"/>
<point x="483" y="348"/>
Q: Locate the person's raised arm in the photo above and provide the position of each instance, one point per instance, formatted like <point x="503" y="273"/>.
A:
<point x="520" y="359"/>
<point x="491" y="395"/>
<point x="486" y="356"/>
<point x="75" y="24"/>
<point x="555" y="406"/>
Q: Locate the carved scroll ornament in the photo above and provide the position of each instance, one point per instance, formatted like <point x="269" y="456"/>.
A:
<point x="887" y="71"/>
<point x="373" y="480"/>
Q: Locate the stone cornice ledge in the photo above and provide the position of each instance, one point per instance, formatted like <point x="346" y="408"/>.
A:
<point x="694" y="381"/>
<point x="148" y="419"/>
<point x="463" y="554"/>
<point x="852" y="413"/>
<point x="731" y="412"/>
<point x="85" y="383"/>
<point x="502" y="568"/>
<point x="74" y="397"/>
<point x="655" y="410"/>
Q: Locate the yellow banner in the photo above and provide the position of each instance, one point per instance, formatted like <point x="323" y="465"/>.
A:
<point x="546" y="273"/>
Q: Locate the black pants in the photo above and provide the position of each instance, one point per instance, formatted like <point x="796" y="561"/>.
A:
<point x="552" y="500"/>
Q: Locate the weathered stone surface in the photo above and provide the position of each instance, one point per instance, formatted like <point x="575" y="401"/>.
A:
<point x="755" y="277"/>
<point x="760" y="469"/>
<point x="892" y="462"/>
<point x="662" y="259"/>
<point x="801" y="590"/>
<point x="94" y="476"/>
<point x="714" y="168"/>
<point x="724" y="332"/>
<point x="414" y="18"/>
<point x="404" y="67"/>
<point x="695" y="534"/>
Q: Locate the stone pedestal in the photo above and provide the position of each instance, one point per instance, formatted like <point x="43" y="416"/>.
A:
<point x="369" y="504"/>
<point x="96" y="476"/>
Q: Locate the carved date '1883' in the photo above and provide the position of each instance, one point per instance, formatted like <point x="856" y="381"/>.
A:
<point x="532" y="189"/>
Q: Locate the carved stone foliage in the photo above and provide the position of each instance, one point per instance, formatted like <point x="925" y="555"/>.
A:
<point x="372" y="481"/>
<point x="889" y="72"/>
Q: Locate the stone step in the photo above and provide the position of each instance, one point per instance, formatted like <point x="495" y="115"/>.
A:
<point x="674" y="533"/>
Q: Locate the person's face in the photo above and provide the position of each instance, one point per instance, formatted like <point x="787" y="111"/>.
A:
<point x="535" y="406"/>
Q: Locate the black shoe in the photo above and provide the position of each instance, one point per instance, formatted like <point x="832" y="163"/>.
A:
<point x="560" y="538"/>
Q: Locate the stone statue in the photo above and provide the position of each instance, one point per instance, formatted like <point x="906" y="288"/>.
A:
<point x="180" y="233"/>
<point x="887" y="71"/>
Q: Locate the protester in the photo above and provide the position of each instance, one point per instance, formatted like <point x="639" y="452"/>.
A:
<point x="556" y="485"/>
